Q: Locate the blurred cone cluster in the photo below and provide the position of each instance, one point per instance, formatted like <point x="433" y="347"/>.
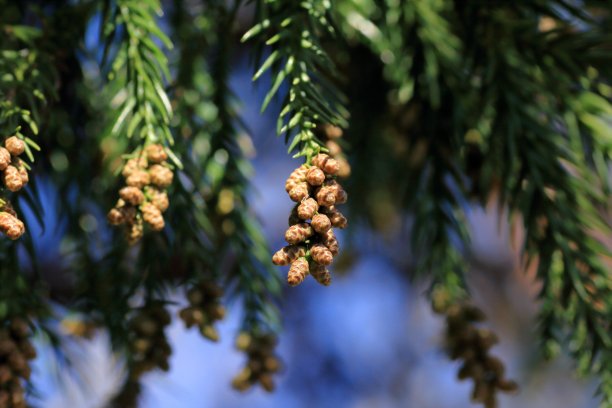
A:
<point x="15" y="352"/>
<point x="204" y="308"/>
<point x="262" y="363"/>
<point x="471" y="344"/>
<point x="144" y="198"/>
<point x="149" y="346"/>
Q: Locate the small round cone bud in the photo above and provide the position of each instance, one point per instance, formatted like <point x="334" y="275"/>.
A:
<point x="156" y="153"/>
<point x="321" y="254"/>
<point x="297" y="272"/>
<point x="11" y="226"/>
<point x="152" y="216"/>
<point x="298" y="233"/>
<point x="326" y="196"/>
<point x="307" y="209"/>
<point x="315" y="176"/>
<point x="115" y="217"/>
<point x="14" y="145"/>
<point x="131" y="195"/>
<point x="327" y="164"/>
<point x="161" y="176"/>
<point x="288" y="254"/>
<point x="12" y="178"/>
<point x="133" y="164"/>
<point x="299" y="192"/>
<point x="138" y="178"/>
<point x="321" y="223"/>
<point x="320" y="273"/>
<point x="297" y="176"/>
<point x="5" y="158"/>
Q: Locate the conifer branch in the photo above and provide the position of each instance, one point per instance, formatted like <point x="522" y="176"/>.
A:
<point x="293" y="32"/>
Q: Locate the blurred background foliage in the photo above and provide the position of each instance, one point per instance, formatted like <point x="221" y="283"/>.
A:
<point x="451" y="111"/>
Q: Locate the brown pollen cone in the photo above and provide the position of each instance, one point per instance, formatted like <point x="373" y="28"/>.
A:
<point x="5" y="158"/>
<point x="12" y="178"/>
<point x="160" y="176"/>
<point x="337" y="219"/>
<point x="321" y="223"/>
<point x="156" y="153"/>
<point x="11" y="226"/>
<point x="297" y="272"/>
<point x="288" y="254"/>
<point x="320" y="273"/>
<point x="158" y="198"/>
<point x="133" y="164"/>
<point x="327" y="164"/>
<point x="152" y="216"/>
<point x="138" y="178"/>
<point x="299" y="192"/>
<point x="321" y="254"/>
<point x="14" y="145"/>
<point x="331" y="242"/>
<point x="115" y="216"/>
<point x="307" y="208"/>
<point x="132" y="195"/>
<point x="298" y="233"/>
<point x="297" y="176"/>
<point x="315" y="176"/>
<point x="326" y="196"/>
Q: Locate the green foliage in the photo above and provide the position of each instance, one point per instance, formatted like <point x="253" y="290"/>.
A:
<point x="138" y="70"/>
<point x="293" y="31"/>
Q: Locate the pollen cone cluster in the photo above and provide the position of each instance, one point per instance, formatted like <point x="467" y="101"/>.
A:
<point x="14" y="178"/>
<point x="15" y="352"/>
<point x="471" y="344"/>
<point x="144" y="198"/>
<point x="149" y="347"/>
<point x="204" y="309"/>
<point x="14" y="172"/>
<point x="332" y="137"/>
<point x="262" y="364"/>
<point x="312" y="242"/>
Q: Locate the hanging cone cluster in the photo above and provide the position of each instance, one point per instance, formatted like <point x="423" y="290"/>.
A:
<point x="471" y="344"/>
<point x="262" y="364"/>
<point x="312" y="242"/>
<point x="15" y="352"/>
<point x="149" y="347"/>
<point x="331" y="135"/>
<point x="204" y="309"/>
<point x="14" y="178"/>
<point x="144" y="198"/>
<point x="14" y="172"/>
